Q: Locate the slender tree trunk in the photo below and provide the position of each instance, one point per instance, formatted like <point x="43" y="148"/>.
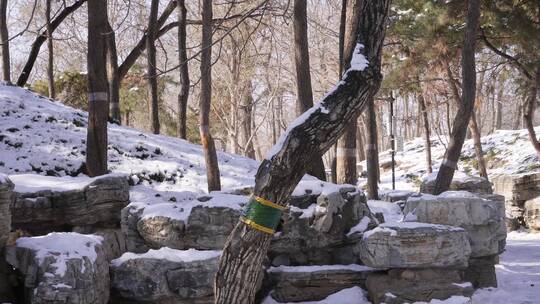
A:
<point x="427" y="132"/>
<point x="112" y="77"/>
<point x="98" y="101"/>
<point x="4" y="37"/>
<point x="528" y="115"/>
<point x="498" y="107"/>
<point x="466" y="107"/>
<point x="50" y="57"/>
<point x="303" y="77"/>
<point x="246" y="111"/>
<point x="346" y="145"/>
<point x="151" y="66"/>
<point x="372" y="152"/>
<point x="360" y="152"/>
<point x="210" y="155"/>
<point x="184" y="70"/>
<point x="240" y="271"/>
<point x="475" y="132"/>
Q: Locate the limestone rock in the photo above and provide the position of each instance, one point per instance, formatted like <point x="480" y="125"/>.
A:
<point x="62" y="268"/>
<point x="97" y="203"/>
<point x="415" y="245"/>
<point x="396" y="196"/>
<point x="481" y="215"/>
<point x="164" y="276"/>
<point x="532" y="213"/>
<point x="481" y="271"/>
<point x="461" y="182"/>
<point x="312" y="283"/>
<point x="408" y="285"/>
<point x="6" y="199"/>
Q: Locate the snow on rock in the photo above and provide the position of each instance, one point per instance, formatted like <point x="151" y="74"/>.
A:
<point x="317" y="268"/>
<point x="391" y="211"/>
<point x="169" y="254"/>
<point x="353" y="295"/>
<point x="25" y="183"/>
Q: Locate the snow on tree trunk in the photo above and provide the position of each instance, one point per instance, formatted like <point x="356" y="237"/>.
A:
<point x="311" y="134"/>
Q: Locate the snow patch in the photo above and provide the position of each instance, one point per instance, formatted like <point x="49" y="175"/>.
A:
<point x="166" y="253"/>
<point x="361" y="226"/>
<point x="315" y="268"/>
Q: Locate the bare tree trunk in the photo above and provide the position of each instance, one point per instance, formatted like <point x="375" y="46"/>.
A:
<point x="427" y="132"/>
<point x="113" y="77"/>
<point x="475" y="132"/>
<point x="210" y="155"/>
<point x="466" y="107"/>
<point x="246" y="111"/>
<point x="184" y="70"/>
<point x="50" y="57"/>
<point x="4" y="37"/>
<point x="151" y="68"/>
<point x="98" y="101"/>
<point x="528" y="115"/>
<point x="346" y="145"/>
<point x="303" y="76"/>
<point x="360" y="142"/>
<point x="498" y="107"/>
<point x="372" y="152"/>
<point x="240" y="271"/>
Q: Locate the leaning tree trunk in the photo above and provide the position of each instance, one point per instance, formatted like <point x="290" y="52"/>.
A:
<point x="50" y="47"/>
<point x="151" y="66"/>
<point x="98" y="104"/>
<point x="427" y="132"/>
<point x="210" y="154"/>
<point x="240" y="270"/>
<point x="463" y="115"/>
<point x="303" y="77"/>
<point x="113" y="77"/>
<point x="4" y="37"/>
<point x="528" y="115"/>
<point x="346" y="145"/>
<point x="184" y="70"/>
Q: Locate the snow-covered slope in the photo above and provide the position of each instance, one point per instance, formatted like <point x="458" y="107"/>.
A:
<point x="505" y="152"/>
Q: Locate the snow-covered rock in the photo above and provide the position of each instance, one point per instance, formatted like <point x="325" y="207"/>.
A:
<point x="460" y="182"/>
<point x="532" y="213"/>
<point x="481" y="215"/>
<point x="415" y="245"/>
<point x="62" y="268"/>
<point x="312" y="283"/>
<point x="401" y="286"/>
<point x="6" y="199"/>
<point x="46" y="204"/>
<point x="164" y="276"/>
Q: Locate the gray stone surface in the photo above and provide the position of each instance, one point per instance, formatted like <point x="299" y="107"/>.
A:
<point x="407" y="286"/>
<point x="396" y="196"/>
<point x="114" y="241"/>
<point x="481" y="271"/>
<point x="155" y="279"/>
<point x="294" y="284"/>
<point x="97" y="204"/>
<point x="415" y="245"/>
<point x="481" y="215"/>
<point x="63" y="276"/>
<point x="532" y="213"/>
<point x="469" y="183"/>
<point x="6" y="199"/>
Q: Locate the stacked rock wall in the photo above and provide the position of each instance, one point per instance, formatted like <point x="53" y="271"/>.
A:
<point x="6" y="199"/>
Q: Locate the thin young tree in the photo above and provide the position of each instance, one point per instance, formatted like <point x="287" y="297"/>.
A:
<point x="184" y="70"/>
<point x="466" y="106"/>
<point x="50" y="48"/>
<point x="113" y="77"/>
<point x="240" y="271"/>
<point x="210" y="154"/>
<point x="372" y="151"/>
<point x="98" y="105"/>
<point x="303" y="77"/>
<point x="151" y="70"/>
<point x="4" y="37"/>
<point x="427" y="131"/>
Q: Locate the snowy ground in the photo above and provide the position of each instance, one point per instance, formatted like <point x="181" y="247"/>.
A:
<point x="43" y="137"/>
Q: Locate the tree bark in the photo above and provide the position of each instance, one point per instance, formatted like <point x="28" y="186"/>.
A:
<point x="240" y="270"/>
<point x="246" y="111"/>
<point x="372" y="152"/>
<point x="427" y="132"/>
<point x="50" y="47"/>
<point x="4" y="37"/>
<point x="210" y="154"/>
<point x="184" y="70"/>
<point x="113" y="78"/>
<point x="151" y="70"/>
<point x="303" y="77"/>
<point x="98" y="105"/>
<point x="528" y="115"/>
<point x="41" y="38"/>
<point x="346" y="145"/>
<point x="463" y="115"/>
<point x="477" y="138"/>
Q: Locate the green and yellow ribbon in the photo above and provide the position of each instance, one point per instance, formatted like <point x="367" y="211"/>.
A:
<point x="262" y="214"/>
